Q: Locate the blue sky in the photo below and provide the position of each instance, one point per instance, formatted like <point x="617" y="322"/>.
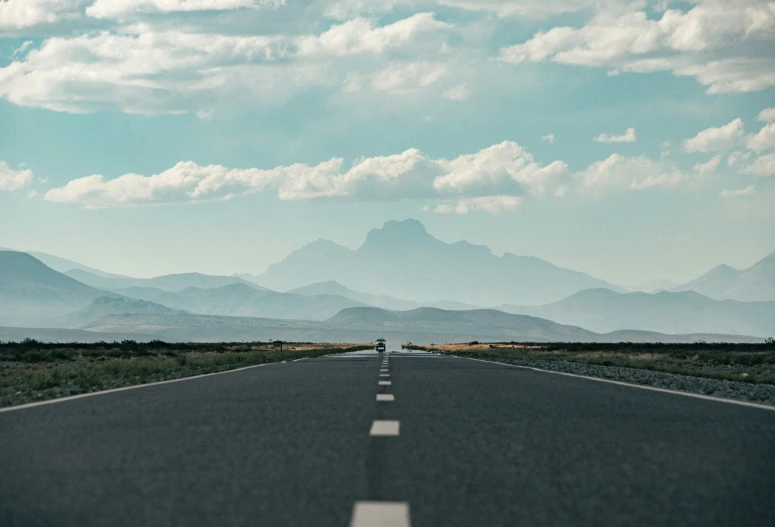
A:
<point x="633" y="140"/>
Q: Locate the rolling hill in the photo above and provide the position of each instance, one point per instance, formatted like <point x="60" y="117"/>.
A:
<point x="603" y="310"/>
<point x="243" y="300"/>
<point x="172" y="282"/>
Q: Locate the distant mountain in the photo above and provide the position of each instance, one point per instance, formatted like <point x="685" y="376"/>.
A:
<point x="30" y="290"/>
<point x="171" y="282"/>
<point x="31" y="293"/>
<point x="723" y="282"/>
<point x="402" y="260"/>
<point x="421" y="326"/>
<point x="603" y="310"/>
<point x="243" y="300"/>
<point x="62" y="264"/>
<point x="653" y="286"/>
<point x="332" y="287"/>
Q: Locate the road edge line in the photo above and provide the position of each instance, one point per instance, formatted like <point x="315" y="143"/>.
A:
<point x="631" y="385"/>
<point x="125" y="388"/>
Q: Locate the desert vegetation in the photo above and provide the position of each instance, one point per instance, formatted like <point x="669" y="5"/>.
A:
<point x="34" y="371"/>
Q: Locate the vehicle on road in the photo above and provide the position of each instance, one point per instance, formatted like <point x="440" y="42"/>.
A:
<point x="381" y="345"/>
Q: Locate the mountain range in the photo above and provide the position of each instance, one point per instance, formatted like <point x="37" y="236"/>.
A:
<point x="724" y="282"/>
<point x="404" y="268"/>
<point x="402" y="260"/>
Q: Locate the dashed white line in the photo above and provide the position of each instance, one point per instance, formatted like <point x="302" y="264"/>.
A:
<point x="386" y="397"/>
<point x="384" y="383"/>
<point x="384" y="375"/>
<point x="384" y="428"/>
<point x="380" y="514"/>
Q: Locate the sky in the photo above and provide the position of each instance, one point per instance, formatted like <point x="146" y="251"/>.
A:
<point x="630" y="139"/>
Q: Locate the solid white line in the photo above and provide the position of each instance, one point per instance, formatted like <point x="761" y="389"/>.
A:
<point x="630" y="385"/>
<point x="124" y="388"/>
<point x="384" y="428"/>
<point x="380" y="514"/>
<point x="386" y="397"/>
<point x="384" y="383"/>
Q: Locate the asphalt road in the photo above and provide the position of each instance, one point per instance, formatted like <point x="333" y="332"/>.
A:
<point x="476" y="444"/>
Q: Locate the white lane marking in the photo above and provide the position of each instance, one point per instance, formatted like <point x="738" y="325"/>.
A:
<point x="380" y="514"/>
<point x="386" y="397"/>
<point x="384" y="375"/>
<point x="384" y="370"/>
<point x="384" y="383"/>
<point x="125" y="388"/>
<point x="630" y="385"/>
<point x="384" y="428"/>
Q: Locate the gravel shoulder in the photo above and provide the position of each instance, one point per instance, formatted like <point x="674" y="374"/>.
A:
<point x="742" y="391"/>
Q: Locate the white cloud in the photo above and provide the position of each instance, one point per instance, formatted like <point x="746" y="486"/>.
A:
<point x="20" y="14"/>
<point x="767" y="115"/>
<point x="708" y="167"/>
<point x="761" y="166"/>
<point x="548" y="138"/>
<point x="719" y="138"/>
<point x="154" y="71"/>
<point x="362" y="36"/>
<point x="401" y="77"/>
<point x="489" y="204"/>
<point x="734" y="157"/>
<point x="632" y="173"/>
<point x="11" y="180"/>
<point x="540" y="8"/>
<point x="764" y="139"/>
<point x="504" y="169"/>
<point x="717" y="42"/>
<point x="627" y="137"/>
<point x="122" y="9"/>
<point x="747" y="191"/>
<point x="457" y="93"/>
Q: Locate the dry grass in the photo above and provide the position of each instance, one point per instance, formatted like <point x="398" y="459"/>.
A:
<point x="754" y="363"/>
<point x="33" y="371"/>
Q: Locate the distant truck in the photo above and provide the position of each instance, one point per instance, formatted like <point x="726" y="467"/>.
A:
<point x="381" y="347"/>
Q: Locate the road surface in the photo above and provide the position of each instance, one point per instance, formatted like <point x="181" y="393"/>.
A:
<point x="419" y="440"/>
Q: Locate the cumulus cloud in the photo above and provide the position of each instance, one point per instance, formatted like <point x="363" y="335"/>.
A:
<point x="717" y="42"/>
<point x="764" y="139"/>
<point x="12" y="180"/>
<point x="539" y="8"/>
<point x="632" y="173"/>
<point x="767" y="115"/>
<point x="152" y="71"/>
<point x="747" y="191"/>
<point x="504" y="169"/>
<point x="362" y="36"/>
<point x="713" y="139"/>
<point x="761" y="166"/>
<point x="19" y="14"/>
<point x="489" y="204"/>
<point x="627" y="137"/>
<point x="121" y="9"/>
<point x="457" y="93"/>
<point x="708" y="167"/>
<point x="407" y="76"/>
